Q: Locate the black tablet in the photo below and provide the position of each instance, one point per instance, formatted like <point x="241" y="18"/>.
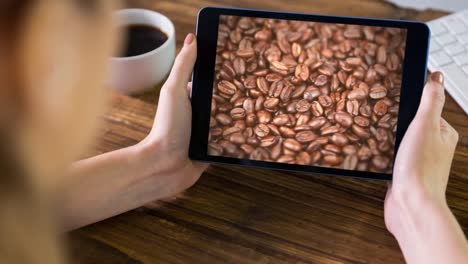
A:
<point x="310" y="93"/>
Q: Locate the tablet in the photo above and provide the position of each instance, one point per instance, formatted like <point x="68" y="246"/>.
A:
<point x="310" y="93"/>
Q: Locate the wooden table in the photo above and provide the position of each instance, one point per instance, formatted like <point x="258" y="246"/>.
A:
<point x="240" y="215"/>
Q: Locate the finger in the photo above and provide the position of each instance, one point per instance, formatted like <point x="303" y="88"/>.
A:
<point x="183" y="65"/>
<point x="189" y="89"/>
<point x="433" y="99"/>
<point x="448" y="133"/>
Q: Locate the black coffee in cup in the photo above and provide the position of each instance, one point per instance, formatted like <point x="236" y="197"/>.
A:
<point x="140" y="39"/>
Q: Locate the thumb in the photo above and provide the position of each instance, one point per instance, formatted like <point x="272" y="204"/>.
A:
<point x="183" y="65"/>
<point x="433" y="100"/>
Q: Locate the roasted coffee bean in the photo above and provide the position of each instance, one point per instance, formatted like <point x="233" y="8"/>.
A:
<point x="216" y="131"/>
<point x="360" y="132"/>
<point x="246" y="148"/>
<point x="227" y="87"/>
<point x="361" y="121"/>
<point x="238" y="113"/>
<point x="302" y="119"/>
<point x="213" y="122"/>
<point x="262" y="85"/>
<point x="332" y="148"/>
<point x="349" y="149"/>
<point x="359" y="94"/>
<point x="332" y="160"/>
<point x="250" y="119"/>
<point x="302" y="106"/>
<point x="321" y="80"/>
<point x="329" y="130"/>
<point x="317" y="109"/>
<point x="215" y="149"/>
<point x="378" y="92"/>
<point x="274" y="129"/>
<point x="303" y="158"/>
<point x="344" y="119"/>
<point x="261" y="130"/>
<point x="292" y="144"/>
<point x="380" y="162"/>
<point x="276" y="150"/>
<point x="239" y="66"/>
<point x="311" y="93"/>
<point x="231" y="130"/>
<point x="263" y="117"/>
<point x="381" y="55"/>
<point x="271" y="103"/>
<point x="279" y="67"/>
<point x="223" y="119"/>
<point x="237" y="138"/>
<point x="248" y="132"/>
<point x="273" y="77"/>
<point x="306" y="136"/>
<point x="350" y="162"/>
<point x="365" y="110"/>
<point x="364" y="153"/>
<point x="286" y="93"/>
<point x="325" y="101"/>
<point x="285" y="159"/>
<point x="253" y="141"/>
<point x="248" y="105"/>
<point x="339" y="139"/>
<point x="269" y="141"/>
<point x="280" y="120"/>
<point x="259" y="154"/>
<point x="276" y="88"/>
<point x="380" y="108"/>
<point x="352" y="106"/>
<point x="302" y="72"/>
<point x="287" y="132"/>
<point x="317" y="122"/>
<point x="229" y="147"/>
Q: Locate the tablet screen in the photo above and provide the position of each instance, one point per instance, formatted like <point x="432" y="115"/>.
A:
<point x="306" y="93"/>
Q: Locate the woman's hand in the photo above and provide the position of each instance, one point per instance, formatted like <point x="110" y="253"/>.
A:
<point x="167" y="145"/>
<point x="416" y="212"/>
<point x="156" y="168"/>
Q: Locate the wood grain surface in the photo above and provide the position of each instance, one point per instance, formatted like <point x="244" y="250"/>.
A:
<point x="244" y="215"/>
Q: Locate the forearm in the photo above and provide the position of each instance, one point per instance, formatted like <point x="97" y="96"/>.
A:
<point x="431" y="234"/>
<point x="104" y="186"/>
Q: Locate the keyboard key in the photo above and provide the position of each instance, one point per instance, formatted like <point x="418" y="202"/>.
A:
<point x="464" y="15"/>
<point x="461" y="59"/>
<point x="434" y="46"/>
<point x="454" y="48"/>
<point x="437" y="28"/>
<point x="445" y="39"/>
<point x="466" y="70"/>
<point x="440" y="58"/>
<point x="463" y="38"/>
<point x="455" y="24"/>
<point x="457" y="77"/>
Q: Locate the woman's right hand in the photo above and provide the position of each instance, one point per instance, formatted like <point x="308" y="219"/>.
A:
<point x="416" y="211"/>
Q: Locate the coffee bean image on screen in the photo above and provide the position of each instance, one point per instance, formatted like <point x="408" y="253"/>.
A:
<point x="306" y="93"/>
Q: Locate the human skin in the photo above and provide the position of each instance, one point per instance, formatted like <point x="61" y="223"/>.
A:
<point x="416" y="210"/>
<point x="156" y="168"/>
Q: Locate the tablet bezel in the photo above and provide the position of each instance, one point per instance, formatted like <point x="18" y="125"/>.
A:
<point x="413" y="80"/>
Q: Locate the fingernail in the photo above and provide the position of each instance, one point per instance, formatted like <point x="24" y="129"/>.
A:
<point x="189" y="39"/>
<point x="437" y="77"/>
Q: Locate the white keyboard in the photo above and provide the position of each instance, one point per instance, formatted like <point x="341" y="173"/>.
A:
<point x="449" y="54"/>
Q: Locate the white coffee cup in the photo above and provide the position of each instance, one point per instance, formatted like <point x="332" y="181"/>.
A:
<point x="137" y="74"/>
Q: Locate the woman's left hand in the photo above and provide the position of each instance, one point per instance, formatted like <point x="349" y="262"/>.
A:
<point x="167" y="145"/>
